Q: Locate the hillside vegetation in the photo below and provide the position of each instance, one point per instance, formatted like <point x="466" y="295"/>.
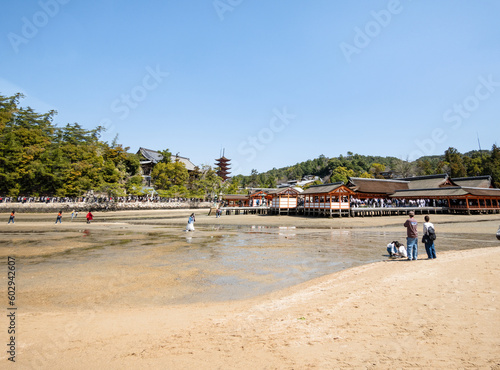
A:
<point x="455" y="164"/>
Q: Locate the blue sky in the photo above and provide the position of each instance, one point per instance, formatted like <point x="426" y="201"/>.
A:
<point x="272" y="82"/>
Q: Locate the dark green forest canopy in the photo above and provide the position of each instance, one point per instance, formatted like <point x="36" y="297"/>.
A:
<point x="38" y="158"/>
<point x="455" y="164"/>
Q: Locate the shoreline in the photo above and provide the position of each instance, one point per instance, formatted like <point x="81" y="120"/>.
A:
<point x="352" y="318"/>
<point x="441" y="313"/>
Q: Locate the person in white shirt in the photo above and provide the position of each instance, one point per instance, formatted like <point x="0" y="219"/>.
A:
<point x="429" y="243"/>
<point x="402" y="251"/>
<point x="392" y="249"/>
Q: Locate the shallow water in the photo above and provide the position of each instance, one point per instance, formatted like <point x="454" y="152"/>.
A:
<point x="128" y="269"/>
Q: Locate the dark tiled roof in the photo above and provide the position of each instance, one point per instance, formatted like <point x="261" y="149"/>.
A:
<point x="493" y="192"/>
<point x="474" y="182"/>
<point x="150" y="155"/>
<point x="450" y="191"/>
<point x="376" y="186"/>
<point x="323" y="189"/>
<point x="155" y="157"/>
<point x="282" y="190"/>
<point x="447" y="191"/>
<point x="428" y="182"/>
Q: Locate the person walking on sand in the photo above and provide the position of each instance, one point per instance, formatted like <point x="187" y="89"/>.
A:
<point x="90" y="217"/>
<point x="59" y="217"/>
<point x="12" y="216"/>
<point x="190" y="225"/>
<point x="429" y="234"/>
<point x="74" y="214"/>
<point x="411" y="237"/>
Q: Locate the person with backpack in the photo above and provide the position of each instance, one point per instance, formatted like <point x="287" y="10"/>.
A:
<point x="428" y="238"/>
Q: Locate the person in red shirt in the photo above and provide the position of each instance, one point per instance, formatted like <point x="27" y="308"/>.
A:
<point x="90" y="217"/>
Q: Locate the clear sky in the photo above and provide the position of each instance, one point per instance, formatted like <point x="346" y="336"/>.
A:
<point x="272" y="82"/>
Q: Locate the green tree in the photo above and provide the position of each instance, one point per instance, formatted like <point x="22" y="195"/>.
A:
<point x="210" y="183"/>
<point x="424" y="167"/>
<point x="166" y="156"/>
<point x="366" y="175"/>
<point x="492" y="167"/>
<point x="376" y="170"/>
<point x="341" y="174"/>
<point x="165" y="175"/>
<point x="455" y="161"/>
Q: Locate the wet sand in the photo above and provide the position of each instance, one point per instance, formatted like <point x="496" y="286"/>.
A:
<point x="442" y="313"/>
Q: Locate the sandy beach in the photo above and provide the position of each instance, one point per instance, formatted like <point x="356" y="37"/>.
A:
<point x="441" y="313"/>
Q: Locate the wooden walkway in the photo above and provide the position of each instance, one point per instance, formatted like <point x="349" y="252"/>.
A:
<point x="352" y="212"/>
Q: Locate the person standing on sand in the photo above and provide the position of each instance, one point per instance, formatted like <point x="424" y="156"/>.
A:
<point x="429" y="243"/>
<point x="411" y="237"/>
<point x="12" y="216"/>
<point x="59" y="217"/>
<point x="90" y="217"/>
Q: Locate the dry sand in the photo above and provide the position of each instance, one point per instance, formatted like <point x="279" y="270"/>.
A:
<point x="442" y="313"/>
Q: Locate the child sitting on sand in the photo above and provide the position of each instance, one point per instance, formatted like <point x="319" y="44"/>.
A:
<point x="396" y="249"/>
<point x="402" y="251"/>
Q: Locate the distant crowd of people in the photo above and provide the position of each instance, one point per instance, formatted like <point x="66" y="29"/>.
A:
<point x="381" y="203"/>
<point x="97" y="199"/>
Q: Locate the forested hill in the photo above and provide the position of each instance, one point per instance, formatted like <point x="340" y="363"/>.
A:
<point x="37" y="158"/>
<point x="474" y="163"/>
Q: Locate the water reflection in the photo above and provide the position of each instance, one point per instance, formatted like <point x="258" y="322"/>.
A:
<point x="212" y="264"/>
